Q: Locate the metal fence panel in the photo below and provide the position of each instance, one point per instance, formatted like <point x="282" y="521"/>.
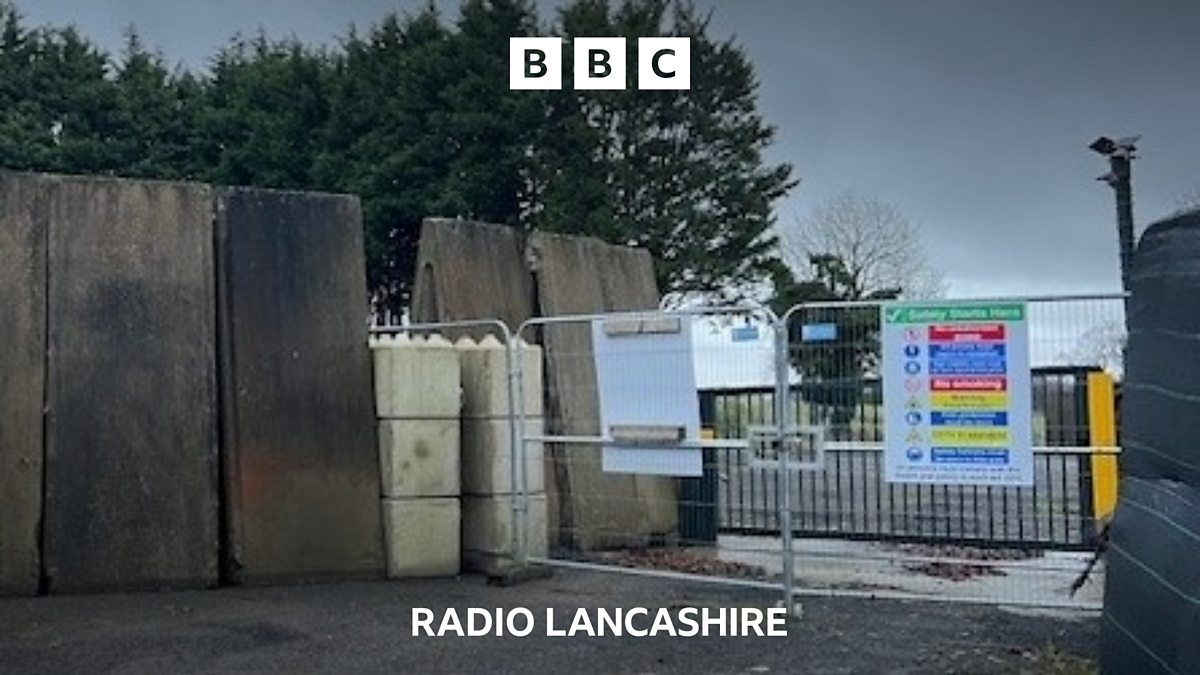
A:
<point x="733" y="517"/>
<point x="655" y="524"/>
<point x="837" y="382"/>
<point x="1011" y="545"/>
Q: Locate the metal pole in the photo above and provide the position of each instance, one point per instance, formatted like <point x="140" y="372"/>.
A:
<point x="784" y="481"/>
<point x="516" y="429"/>
<point x="1122" y="184"/>
<point x="1120" y="154"/>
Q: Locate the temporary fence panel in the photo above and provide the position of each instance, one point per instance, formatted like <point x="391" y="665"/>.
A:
<point x="1014" y="544"/>
<point x="836" y="381"/>
<point x="662" y="432"/>
<point x="633" y="475"/>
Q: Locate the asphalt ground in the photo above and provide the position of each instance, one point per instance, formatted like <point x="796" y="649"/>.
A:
<point x="365" y="627"/>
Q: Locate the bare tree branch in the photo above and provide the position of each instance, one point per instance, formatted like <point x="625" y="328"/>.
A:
<point x="880" y="247"/>
<point x="1102" y="345"/>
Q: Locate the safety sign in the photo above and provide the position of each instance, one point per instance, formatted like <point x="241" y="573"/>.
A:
<point x="957" y="393"/>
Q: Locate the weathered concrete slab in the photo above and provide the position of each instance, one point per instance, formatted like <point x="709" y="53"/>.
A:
<point x="469" y="270"/>
<point x="301" y="467"/>
<point x="131" y="461"/>
<point x="22" y="378"/>
<point x="589" y="508"/>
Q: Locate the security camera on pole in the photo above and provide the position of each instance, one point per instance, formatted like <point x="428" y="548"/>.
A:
<point x="1121" y="154"/>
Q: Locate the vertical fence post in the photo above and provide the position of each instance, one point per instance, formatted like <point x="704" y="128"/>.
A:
<point x="516" y="433"/>
<point x="698" y="497"/>
<point x="784" y="482"/>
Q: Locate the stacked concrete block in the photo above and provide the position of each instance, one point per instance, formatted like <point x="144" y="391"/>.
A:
<point x="418" y="396"/>
<point x="487" y="454"/>
<point x="487" y="530"/>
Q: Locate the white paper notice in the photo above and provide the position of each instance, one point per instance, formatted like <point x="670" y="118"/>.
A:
<point x="648" y="379"/>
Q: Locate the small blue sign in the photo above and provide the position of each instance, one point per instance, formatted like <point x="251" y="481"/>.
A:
<point x="912" y="351"/>
<point x="983" y="366"/>
<point x="818" y="332"/>
<point x="969" y="455"/>
<point x="914" y="418"/>
<point x="967" y="359"/>
<point x="965" y="349"/>
<point x="914" y="454"/>
<point x="745" y="333"/>
<point x="912" y="367"/>
<point x="968" y="418"/>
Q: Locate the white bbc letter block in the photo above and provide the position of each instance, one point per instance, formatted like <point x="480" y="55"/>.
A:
<point x="600" y="63"/>
<point x="535" y="63"/>
<point x="664" y="63"/>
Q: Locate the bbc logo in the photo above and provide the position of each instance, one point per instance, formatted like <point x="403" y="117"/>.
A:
<point x="536" y="63"/>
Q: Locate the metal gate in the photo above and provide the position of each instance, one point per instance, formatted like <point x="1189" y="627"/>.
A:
<point x="850" y="499"/>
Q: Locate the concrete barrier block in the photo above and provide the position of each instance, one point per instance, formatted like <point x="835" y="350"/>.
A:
<point x="420" y="458"/>
<point x="131" y="495"/>
<point x="417" y="378"/>
<point x="467" y="269"/>
<point x="487" y="530"/>
<point x="485" y="377"/>
<point x="422" y="537"/>
<point x="487" y="457"/>
<point x="381" y="340"/>
<point x="299" y="446"/>
<point x="22" y="379"/>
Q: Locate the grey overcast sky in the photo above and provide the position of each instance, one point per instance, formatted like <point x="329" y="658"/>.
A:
<point x="972" y="116"/>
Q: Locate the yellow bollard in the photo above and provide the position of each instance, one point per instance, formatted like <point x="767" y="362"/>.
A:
<point x="1102" y="432"/>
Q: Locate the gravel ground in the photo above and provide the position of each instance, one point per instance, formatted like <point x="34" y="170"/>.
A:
<point x="365" y="628"/>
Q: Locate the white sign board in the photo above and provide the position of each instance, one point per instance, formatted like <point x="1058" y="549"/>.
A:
<point x="645" y="375"/>
<point x="957" y="394"/>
